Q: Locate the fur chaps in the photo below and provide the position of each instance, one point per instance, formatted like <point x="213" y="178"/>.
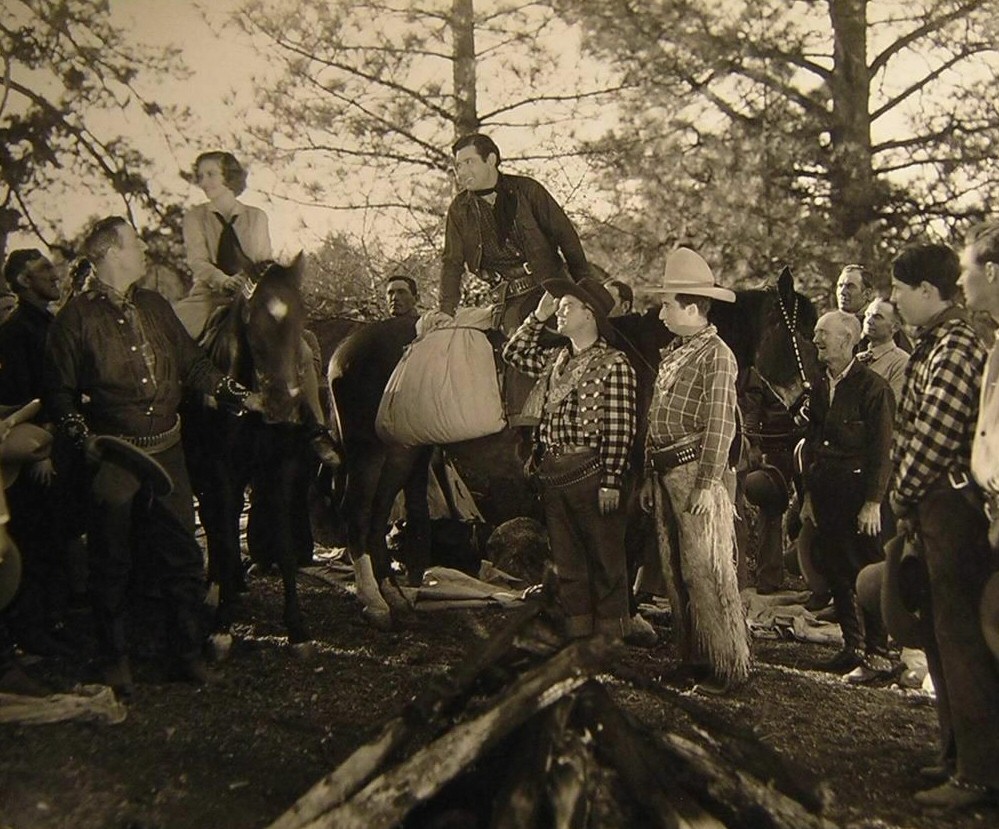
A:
<point x="698" y="561"/>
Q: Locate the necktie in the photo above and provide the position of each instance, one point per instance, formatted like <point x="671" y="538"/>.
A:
<point x="229" y="257"/>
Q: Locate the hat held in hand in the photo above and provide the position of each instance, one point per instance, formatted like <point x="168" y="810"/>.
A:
<point x="21" y="443"/>
<point x="118" y="457"/>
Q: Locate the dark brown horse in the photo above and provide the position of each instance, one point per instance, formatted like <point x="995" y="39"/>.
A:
<point x="257" y="341"/>
<point x="754" y="326"/>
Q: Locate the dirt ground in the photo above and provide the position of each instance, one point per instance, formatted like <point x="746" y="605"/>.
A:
<point x="238" y="752"/>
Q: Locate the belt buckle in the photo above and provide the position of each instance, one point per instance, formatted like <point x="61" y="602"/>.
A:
<point x="958" y="481"/>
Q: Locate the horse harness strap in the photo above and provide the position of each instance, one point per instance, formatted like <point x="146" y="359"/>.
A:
<point x="791" y="321"/>
<point x="156" y="443"/>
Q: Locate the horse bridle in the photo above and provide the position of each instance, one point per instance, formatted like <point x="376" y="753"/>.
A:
<point x="791" y="321"/>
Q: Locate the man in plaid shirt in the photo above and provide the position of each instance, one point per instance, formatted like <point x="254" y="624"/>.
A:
<point x="930" y="494"/>
<point x="691" y="428"/>
<point x="584" y="400"/>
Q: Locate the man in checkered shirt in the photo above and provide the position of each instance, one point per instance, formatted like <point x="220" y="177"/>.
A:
<point x="930" y="495"/>
<point x="585" y="403"/>
<point x="691" y="428"/>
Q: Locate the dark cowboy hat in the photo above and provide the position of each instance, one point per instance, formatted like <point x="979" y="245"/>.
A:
<point x="592" y="294"/>
<point x="902" y="585"/>
<point x="10" y="575"/>
<point x="129" y="458"/>
<point x="765" y="487"/>
<point x="989" y="611"/>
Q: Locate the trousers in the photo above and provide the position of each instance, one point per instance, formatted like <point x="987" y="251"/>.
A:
<point x="965" y="673"/>
<point x="130" y="526"/>
<point x="588" y="551"/>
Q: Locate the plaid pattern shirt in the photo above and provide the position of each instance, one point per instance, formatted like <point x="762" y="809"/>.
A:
<point x="935" y="422"/>
<point x="702" y="400"/>
<point x="610" y="429"/>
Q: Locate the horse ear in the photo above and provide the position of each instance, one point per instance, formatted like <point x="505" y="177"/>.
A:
<point x="296" y="270"/>
<point x="785" y="283"/>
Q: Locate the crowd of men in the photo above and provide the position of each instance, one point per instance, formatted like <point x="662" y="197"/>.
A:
<point x="631" y="419"/>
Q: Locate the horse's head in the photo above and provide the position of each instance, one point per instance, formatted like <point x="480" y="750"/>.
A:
<point x="770" y="329"/>
<point x="273" y="318"/>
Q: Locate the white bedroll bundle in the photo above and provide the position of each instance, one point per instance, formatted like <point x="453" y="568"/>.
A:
<point x="445" y="388"/>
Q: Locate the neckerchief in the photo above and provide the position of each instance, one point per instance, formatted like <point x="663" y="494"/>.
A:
<point x="568" y="371"/>
<point x="680" y="353"/>
<point x="229" y="255"/>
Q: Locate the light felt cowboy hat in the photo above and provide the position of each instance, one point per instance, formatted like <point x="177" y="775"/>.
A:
<point x="687" y="273"/>
<point x="25" y="444"/>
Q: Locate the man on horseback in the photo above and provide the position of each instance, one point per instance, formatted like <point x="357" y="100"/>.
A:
<point x="585" y="400"/>
<point x="511" y="233"/>
<point x="117" y="362"/>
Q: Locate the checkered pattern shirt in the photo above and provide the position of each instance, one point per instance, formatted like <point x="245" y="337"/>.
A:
<point x="935" y="422"/>
<point x="702" y="400"/>
<point x="610" y="429"/>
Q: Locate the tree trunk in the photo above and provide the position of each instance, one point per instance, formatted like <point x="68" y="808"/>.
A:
<point x="851" y="174"/>
<point x="466" y="118"/>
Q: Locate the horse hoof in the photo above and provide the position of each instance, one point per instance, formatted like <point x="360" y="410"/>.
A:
<point x="303" y="650"/>
<point x="378" y="618"/>
<point x="219" y="645"/>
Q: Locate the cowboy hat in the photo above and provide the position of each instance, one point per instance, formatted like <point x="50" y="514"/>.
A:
<point x="122" y="456"/>
<point x="765" y="487"/>
<point x="989" y="612"/>
<point x="10" y="575"/>
<point x="903" y="588"/>
<point x="592" y="294"/>
<point x="686" y="272"/>
<point x="25" y="443"/>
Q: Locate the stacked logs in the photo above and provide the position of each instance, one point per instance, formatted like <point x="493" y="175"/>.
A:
<point x="551" y="748"/>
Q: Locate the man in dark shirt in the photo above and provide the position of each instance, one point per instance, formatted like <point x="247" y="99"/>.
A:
<point x="44" y="513"/>
<point x="117" y="363"/>
<point x="35" y="282"/>
<point x="846" y="475"/>
<point x="511" y="233"/>
<point x="401" y="296"/>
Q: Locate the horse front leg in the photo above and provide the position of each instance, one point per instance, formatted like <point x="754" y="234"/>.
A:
<point x="220" y="506"/>
<point x="417" y="538"/>
<point x="364" y="465"/>
<point x="398" y="471"/>
<point x="274" y="494"/>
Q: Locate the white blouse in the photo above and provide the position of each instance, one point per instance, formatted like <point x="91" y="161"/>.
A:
<point x="202" y="230"/>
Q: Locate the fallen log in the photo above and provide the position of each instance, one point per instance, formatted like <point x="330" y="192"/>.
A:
<point x="386" y="800"/>
<point x="421" y="714"/>
<point x="665" y="804"/>
<point x="519" y="797"/>
<point x="728" y="792"/>
<point x="739" y="744"/>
